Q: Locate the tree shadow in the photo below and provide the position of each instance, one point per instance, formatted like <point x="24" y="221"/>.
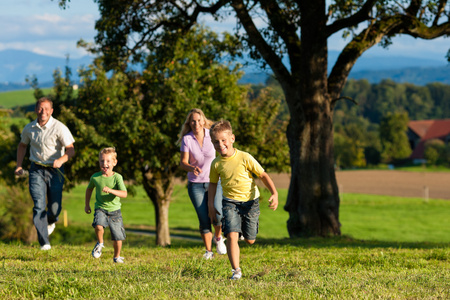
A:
<point x="349" y="242"/>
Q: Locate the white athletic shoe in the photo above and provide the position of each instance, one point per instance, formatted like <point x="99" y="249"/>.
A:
<point x="119" y="260"/>
<point x="208" y="255"/>
<point x="50" y="228"/>
<point x="220" y="245"/>
<point x="97" y="251"/>
<point x="237" y="274"/>
<point x="46" y="247"/>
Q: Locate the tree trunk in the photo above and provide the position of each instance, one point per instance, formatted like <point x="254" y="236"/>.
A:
<point x="313" y="197"/>
<point x="159" y="188"/>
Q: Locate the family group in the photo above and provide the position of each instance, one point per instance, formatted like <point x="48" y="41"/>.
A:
<point x="222" y="188"/>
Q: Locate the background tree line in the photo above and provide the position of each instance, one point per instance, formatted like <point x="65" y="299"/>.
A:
<point x="371" y="121"/>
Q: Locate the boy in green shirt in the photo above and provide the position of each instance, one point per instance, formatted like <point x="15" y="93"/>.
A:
<point x="110" y="188"/>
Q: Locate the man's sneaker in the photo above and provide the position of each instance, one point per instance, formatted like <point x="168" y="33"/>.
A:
<point x="237" y="274"/>
<point x="97" y="251"/>
<point x="46" y="247"/>
<point x="220" y="245"/>
<point x="119" y="260"/>
<point x="50" y="228"/>
<point x="208" y="255"/>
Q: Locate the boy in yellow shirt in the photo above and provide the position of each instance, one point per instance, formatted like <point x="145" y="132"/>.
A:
<point x="240" y="193"/>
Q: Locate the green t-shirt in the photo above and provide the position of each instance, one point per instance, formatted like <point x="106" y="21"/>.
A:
<point x="106" y="201"/>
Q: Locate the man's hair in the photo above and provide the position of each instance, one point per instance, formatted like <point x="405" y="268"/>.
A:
<point x="44" y="99"/>
<point x="220" y="126"/>
<point x="109" y="150"/>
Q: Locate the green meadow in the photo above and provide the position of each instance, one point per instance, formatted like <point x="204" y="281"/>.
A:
<point x="391" y="248"/>
<point x="13" y="99"/>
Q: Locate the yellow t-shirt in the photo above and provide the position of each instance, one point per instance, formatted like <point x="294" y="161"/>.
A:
<point x="235" y="174"/>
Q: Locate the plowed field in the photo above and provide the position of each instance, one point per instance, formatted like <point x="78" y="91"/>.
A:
<point x="389" y="182"/>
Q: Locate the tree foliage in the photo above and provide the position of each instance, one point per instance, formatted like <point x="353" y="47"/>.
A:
<point x="394" y="140"/>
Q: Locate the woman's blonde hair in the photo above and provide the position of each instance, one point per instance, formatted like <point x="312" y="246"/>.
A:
<point x="109" y="150"/>
<point x="186" y="127"/>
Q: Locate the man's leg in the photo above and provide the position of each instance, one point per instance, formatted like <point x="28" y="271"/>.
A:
<point x="38" y="192"/>
<point x="56" y="183"/>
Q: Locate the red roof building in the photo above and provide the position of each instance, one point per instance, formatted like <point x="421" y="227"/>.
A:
<point x="421" y="131"/>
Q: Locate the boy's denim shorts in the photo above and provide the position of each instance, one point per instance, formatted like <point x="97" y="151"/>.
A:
<point x="241" y="217"/>
<point x="111" y="219"/>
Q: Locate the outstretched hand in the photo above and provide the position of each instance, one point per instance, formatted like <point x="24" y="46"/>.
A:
<point x="273" y="202"/>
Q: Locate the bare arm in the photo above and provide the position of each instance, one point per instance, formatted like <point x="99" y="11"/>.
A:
<point x="87" y="200"/>
<point x="21" y="150"/>
<point x="69" y="153"/>
<point x="212" y="211"/>
<point x="117" y="193"/>
<point x="273" y="200"/>
<point x="185" y="165"/>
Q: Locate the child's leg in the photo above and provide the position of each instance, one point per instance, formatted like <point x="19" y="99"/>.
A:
<point x="117" y="247"/>
<point x="207" y="240"/>
<point x="218" y="205"/>
<point x="250" y="242"/>
<point x="233" y="249"/>
<point x="217" y="231"/>
<point x="99" y="230"/>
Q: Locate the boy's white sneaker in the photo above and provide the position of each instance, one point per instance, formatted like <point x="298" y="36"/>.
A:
<point x="119" y="260"/>
<point x="97" y="251"/>
<point x="220" y="245"/>
<point x="50" y="228"/>
<point x="208" y="255"/>
<point x="46" y="247"/>
<point x="237" y="274"/>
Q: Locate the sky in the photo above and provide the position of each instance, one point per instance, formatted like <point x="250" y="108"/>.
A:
<point x="40" y="26"/>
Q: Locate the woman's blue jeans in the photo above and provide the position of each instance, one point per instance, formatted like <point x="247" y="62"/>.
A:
<point x="198" y="192"/>
<point x="46" y="185"/>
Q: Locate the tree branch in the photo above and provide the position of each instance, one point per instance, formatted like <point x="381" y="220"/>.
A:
<point x="258" y="41"/>
<point x="441" y="10"/>
<point x="282" y="25"/>
<point x="362" y="15"/>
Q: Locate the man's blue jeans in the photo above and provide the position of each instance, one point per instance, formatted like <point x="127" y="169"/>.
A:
<point x="45" y="183"/>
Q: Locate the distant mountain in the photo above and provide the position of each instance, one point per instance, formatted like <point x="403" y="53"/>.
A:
<point x="418" y="71"/>
<point x="16" y="65"/>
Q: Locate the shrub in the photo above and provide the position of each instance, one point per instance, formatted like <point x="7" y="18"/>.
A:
<point x="16" y="214"/>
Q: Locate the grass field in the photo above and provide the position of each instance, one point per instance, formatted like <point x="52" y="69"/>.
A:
<point x="369" y="217"/>
<point x="12" y="99"/>
<point x="396" y="248"/>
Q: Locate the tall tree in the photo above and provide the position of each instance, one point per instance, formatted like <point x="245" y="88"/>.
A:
<point x="299" y="30"/>
<point x="393" y="137"/>
<point x="141" y="113"/>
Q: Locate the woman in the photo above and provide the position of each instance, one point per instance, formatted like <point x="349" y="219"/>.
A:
<point x="197" y="153"/>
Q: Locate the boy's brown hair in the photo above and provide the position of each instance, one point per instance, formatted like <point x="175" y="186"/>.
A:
<point x="109" y="150"/>
<point x="220" y="126"/>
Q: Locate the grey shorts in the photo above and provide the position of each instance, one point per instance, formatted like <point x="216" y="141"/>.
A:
<point x="241" y="217"/>
<point x="111" y="219"/>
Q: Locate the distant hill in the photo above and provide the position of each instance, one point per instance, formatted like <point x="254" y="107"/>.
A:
<point x="401" y="69"/>
<point x="16" y="65"/>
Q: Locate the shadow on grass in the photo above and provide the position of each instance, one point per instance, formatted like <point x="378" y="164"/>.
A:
<point x="183" y="237"/>
<point x="349" y="242"/>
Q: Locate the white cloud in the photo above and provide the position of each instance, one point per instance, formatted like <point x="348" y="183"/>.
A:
<point x="56" y="48"/>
